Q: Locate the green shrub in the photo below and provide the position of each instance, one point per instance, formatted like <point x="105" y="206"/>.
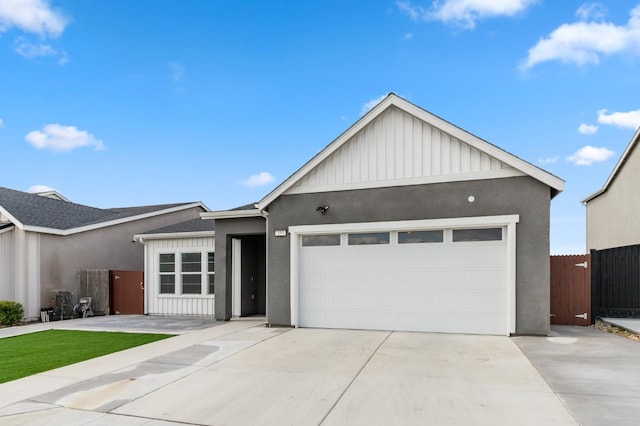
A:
<point x="10" y="312"/>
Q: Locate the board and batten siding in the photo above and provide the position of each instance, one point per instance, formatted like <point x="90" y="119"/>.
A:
<point x="167" y="304"/>
<point x="400" y="149"/>
<point x="7" y="275"/>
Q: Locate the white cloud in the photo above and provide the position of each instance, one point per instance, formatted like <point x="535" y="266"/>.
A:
<point x="585" y="42"/>
<point x="408" y="36"/>
<point x="550" y="160"/>
<point x="1" y="123"/>
<point x="588" y="11"/>
<point x="372" y="103"/>
<point x="28" y="50"/>
<point x="261" y="179"/>
<point x="587" y="129"/>
<point x="62" y="138"/>
<point x="32" y="16"/>
<point x="588" y="155"/>
<point x="630" y="119"/>
<point x="464" y="13"/>
<point x="35" y="189"/>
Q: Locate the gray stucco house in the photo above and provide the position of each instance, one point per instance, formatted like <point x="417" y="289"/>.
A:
<point x="404" y="222"/>
<point x="612" y="212"/>
<point x="45" y="240"/>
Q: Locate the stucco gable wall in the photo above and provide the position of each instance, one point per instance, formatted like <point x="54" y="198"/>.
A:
<point x="613" y="218"/>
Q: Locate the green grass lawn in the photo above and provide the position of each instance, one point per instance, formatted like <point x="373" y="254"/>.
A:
<point x="28" y="354"/>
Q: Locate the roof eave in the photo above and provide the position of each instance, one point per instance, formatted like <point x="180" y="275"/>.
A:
<point x="173" y="235"/>
<point x="232" y="214"/>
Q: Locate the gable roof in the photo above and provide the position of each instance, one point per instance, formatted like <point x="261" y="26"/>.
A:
<point x="36" y="213"/>
<point x="392" y="100"/>
<point x="635" y="141"/>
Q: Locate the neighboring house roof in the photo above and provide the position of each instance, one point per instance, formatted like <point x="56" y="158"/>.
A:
<point x="190" y="228"/>
<point x="392" y="100"/>
<point x="635" y="141"/>
<point x="35" y="213"/>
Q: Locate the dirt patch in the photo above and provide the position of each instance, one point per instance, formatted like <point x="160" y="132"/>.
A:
<point x="616" y="330"/>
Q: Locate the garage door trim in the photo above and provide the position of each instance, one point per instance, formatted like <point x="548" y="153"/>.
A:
<point x="509" y="221"/>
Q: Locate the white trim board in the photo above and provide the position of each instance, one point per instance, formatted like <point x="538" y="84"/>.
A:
<point x="508" y="221"/>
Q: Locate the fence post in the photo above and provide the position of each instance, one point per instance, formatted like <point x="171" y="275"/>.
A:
<point x="595" y="285"/>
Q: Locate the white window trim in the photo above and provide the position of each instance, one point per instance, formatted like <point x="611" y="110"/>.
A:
<point x="508" y="221"/>
<point x="204" y="271"/>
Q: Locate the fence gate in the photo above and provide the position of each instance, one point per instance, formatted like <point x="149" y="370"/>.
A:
<point x="571" y="290"/>
<point x="127" y="292"/>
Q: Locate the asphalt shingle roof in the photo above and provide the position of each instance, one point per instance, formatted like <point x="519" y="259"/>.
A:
<point x="193" y="225"/>
<point x="35" y="210"/>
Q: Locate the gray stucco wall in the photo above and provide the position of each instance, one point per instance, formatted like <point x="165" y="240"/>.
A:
<point x="524" y="196"/>
<point x="104" y="248"/>
<point x="612" y="217"/>
<point x="225" y="230"/>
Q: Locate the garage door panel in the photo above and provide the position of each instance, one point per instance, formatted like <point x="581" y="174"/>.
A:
<point x="439" y="287"/>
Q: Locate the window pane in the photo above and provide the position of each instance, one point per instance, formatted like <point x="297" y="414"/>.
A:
<point x="191" y="262"/>
<point x="167" y="284"/>
<point x="212" y="278"/>
<point x="320" y="240"/>
<point x="191" y="284"/>
<point x="167" y="262"/>
<point x="487" y="234"/>
<point x="420" y="237"/>
<point x="369" y="238"/>
<point x="211" y="262"/>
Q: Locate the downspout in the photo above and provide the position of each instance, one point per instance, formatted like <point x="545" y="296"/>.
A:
<point x="265" y="214"/>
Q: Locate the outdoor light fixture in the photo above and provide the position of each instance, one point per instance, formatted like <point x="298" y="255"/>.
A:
<point x="322" y="209"/>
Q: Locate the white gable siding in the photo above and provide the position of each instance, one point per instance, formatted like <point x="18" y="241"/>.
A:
<point x="183" y="304"/>
<point x="7" y="276"/>
<point x="400" y="149"/>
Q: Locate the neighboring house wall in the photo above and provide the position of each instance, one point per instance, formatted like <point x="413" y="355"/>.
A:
<point x="105" y="248"/>
<point x="225" y="230"/>
<point x="612" y="217"/>
<point x="19" y="272"/>
<point x="7" y="265"/>
<point x="524" y="196"/>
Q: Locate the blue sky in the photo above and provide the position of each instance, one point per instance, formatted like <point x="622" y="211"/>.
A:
<point x="123" y="102"/>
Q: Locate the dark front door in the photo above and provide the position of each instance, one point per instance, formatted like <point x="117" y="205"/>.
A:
<point x="253" y="275"/>
<point x="127" y="292"/>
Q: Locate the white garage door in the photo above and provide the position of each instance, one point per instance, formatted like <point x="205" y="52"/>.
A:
<point x="436" y="280"/>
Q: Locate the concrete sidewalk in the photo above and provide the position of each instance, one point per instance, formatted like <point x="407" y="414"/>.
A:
<point x="596" y="374"/>
<point x="631" y="324"/>
<point x="122" y="323"/>
<point x="240" y="372"/>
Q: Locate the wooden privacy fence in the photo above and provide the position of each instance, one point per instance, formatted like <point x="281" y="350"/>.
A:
<point x="570" y="298"/>
<point x="616" y="282"/>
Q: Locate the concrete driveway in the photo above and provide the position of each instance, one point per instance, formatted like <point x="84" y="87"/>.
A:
<point x="242" y="373"/>
<point x="596" y="374"/>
